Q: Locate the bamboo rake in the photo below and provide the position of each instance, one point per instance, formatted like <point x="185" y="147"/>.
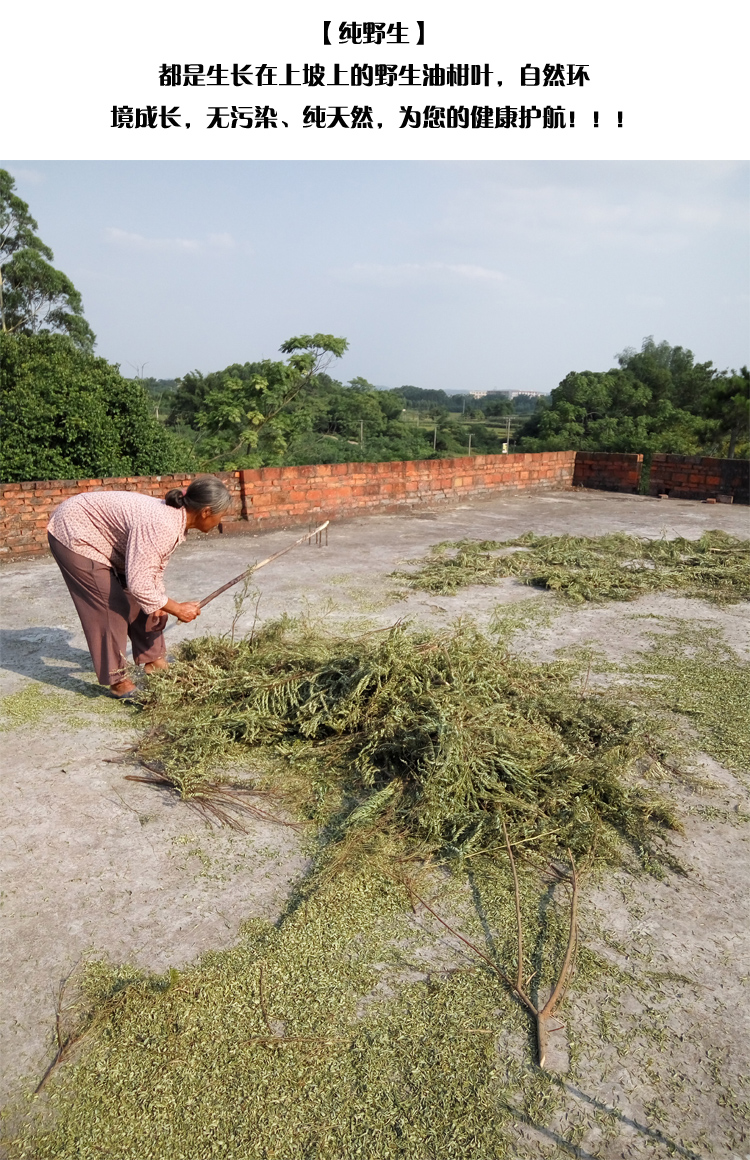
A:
<point x="269" y="560"/>
<point x="318" y="532"/>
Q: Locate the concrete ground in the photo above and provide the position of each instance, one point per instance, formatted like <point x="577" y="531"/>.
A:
<point x="94" y="865"/>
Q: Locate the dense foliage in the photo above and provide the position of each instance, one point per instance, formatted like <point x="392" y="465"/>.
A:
<point x="35" y="298"/>
<point x="657" y="399"/>
<point x="267" y="413"/>
<point x="66" y="414"/>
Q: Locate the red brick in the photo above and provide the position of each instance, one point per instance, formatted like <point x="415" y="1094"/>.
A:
<point x="280" y="496"/>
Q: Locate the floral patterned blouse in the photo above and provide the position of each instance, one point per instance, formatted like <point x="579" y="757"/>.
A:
<point x="130" y="533"/>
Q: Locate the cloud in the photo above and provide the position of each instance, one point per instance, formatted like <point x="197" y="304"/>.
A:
<point x="416" y="273"/>
<point x="474" y="273"/>
<point x="131" y="241"/>
<point x="31" y="176"/>
<point x="648" y="209"/>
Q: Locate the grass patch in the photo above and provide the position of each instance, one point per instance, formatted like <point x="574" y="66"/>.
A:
<point x="617" y="566"/>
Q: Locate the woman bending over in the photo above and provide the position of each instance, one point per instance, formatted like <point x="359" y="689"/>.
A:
<point x="112" y="548"/>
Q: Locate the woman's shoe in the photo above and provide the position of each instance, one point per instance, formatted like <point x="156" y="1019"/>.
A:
<point x="159" y="666"/>
<point x="125" y="694"/>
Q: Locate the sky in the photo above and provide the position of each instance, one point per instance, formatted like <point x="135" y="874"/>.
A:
<point x="453" y="275"/>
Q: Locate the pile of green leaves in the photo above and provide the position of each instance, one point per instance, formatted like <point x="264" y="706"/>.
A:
<point x="617" y="566"/>
<point x="437" y="737"/>
<point x="351" y="1027"/>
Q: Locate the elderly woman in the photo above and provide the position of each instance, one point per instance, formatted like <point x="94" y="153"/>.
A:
<point x="112" y="548"/>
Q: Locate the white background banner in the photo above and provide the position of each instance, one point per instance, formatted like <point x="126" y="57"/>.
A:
<point x="157" y="79"/>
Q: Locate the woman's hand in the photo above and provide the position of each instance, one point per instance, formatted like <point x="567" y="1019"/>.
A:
<point x="188" y="611"/>
<point x="185" y="612"/>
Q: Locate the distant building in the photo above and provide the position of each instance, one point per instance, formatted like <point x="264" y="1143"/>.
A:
<point x="499" y="394"/>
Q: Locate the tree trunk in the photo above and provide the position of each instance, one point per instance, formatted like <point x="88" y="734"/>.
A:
<point x="732" y="443"/>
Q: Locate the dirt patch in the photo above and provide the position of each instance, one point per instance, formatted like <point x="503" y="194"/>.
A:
<point x="93" y="865"/>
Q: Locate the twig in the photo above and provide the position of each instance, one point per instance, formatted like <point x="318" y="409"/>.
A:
<point x="287" y="1040"/>
<point x="65" y="1043"/>
<point x="493" y="849"/>
<point x="543" y="1016"/>
<point x="565" y="971"/>
<point x="274" y="1040"/>
<point x="517" y="896"/>
<point x="498" y="970"/>
<point x="588" y="674"/>
<point x="254" y="567"/>
<point x="216" y="802"/>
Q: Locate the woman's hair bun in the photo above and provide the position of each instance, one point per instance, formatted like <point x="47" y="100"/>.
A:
<point x="205" y="492"/>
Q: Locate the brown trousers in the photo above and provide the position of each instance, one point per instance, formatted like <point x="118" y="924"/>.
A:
<point x="109" y="615"/>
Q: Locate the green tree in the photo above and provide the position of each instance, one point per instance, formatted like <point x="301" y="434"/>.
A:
<point x="67" y="414"/>
<point x="671" y="373"/>
<point x="422" y="398"/>
<point x="524" y="405"/>
<point x="729" y="405"/>
<point x="654" y="401"/>
<point x="247" y="415"/>
<point x="498" y="406"/>
<point x="357" y="410"/>
<point x="160" y="393"/>
<point x="357" y="423"/>
<point x="35" y="298"/>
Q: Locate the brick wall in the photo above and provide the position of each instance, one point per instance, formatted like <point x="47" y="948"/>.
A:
<point x="25" y="508"/>
<point x="279" y="496"/>
<point x="700" y="477"/>
<point x="607" y="472"/>
<point x="273" y="497"/>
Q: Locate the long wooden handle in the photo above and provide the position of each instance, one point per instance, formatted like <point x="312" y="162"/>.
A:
<point x="254" y="567"/>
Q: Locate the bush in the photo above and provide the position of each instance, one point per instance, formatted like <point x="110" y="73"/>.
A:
<point x="66" y="413"/>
